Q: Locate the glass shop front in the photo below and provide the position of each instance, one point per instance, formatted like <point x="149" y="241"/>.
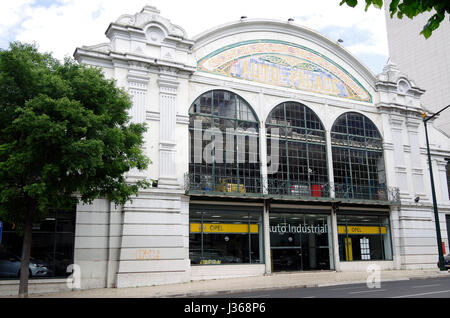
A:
<point x="225" y="235"/>
<point x="364" y="237"/>
<point x="300" y="241"/>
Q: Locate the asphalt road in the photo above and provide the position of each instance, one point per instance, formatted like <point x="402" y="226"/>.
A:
<point x="415" y="288"/>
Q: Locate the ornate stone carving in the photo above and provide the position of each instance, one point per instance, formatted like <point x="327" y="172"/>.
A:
<point x="149" y="15"/>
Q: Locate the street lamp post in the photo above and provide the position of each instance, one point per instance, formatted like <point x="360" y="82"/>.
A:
<point x="433" y="192"/>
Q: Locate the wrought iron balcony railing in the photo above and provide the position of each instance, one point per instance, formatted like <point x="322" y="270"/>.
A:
<point x="297" y="189"/>
<point x="253" y="186"/>
<point x="223" y="185"/>
<point x="367" y="192"/>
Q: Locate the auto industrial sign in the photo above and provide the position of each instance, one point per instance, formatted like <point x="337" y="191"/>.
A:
<point x="301" y="228"/>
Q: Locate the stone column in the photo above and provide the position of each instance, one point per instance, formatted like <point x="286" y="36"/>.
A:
<point x="415" y="158"/>
<point x="137" y="87"/>
<point x="401" y="174"/>
<point x="263" y="157"/>
<point x="168" y="85"/>
<point x="441" y="175"/>
<point x="396" y="237"/>
<point x="267" y="251"/>
<point x="334" y="242"/>
<point x="330" y="164"/>
<point x="138" y="79"/>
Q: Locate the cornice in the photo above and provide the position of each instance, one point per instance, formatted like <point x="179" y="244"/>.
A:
<point x="131" y="58"/>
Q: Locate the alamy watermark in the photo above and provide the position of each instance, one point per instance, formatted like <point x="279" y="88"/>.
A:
<point x="223" y="142"/>
<point x="74" y="280"/>
<point x="374" y="278"/>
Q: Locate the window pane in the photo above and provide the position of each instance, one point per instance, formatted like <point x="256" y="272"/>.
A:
<point x="225" y="237"/>
<point x="358" y="162"/>
<point x="224" y="148"/>
<point x="51" y="249"/>
<point x="301" y="153"/>
<point x="299" y="241"/>
<point x="364" y="237"/>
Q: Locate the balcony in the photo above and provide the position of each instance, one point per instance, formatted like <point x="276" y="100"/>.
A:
<point x="297" y="189"/>
<point x="367" y="192"/>
<point x="217" y="185"/>
<point x="252" y="187"/>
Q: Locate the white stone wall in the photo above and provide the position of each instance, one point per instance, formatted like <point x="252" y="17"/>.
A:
<point x="154" y="244"/>
<point x="97" y="243"/>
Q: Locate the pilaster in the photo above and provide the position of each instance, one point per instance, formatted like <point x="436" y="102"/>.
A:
<point x="168" y="85"/>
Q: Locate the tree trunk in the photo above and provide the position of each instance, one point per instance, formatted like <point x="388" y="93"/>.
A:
<point x="26" y="251"/>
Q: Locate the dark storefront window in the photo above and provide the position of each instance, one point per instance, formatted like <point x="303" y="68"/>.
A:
<point x="299" y="241"/>
<point x="52" y="247"/>
<point x="224" y="145"/>
<point x="364" y="238"/>
<point x="296" y="137"/>
<point x="358" y="162"/>
<point x="225" y="237"/>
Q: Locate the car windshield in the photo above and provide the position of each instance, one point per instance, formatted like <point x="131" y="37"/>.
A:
<point x="7" y="255"/>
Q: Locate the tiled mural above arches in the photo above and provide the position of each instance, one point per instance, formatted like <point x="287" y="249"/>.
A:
<point x="284" y="64"/>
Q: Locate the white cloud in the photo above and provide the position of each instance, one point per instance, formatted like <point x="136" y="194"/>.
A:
<point x="67" y="24"/>
<point x="11" y="13"/>
<point x="369" y="26"/>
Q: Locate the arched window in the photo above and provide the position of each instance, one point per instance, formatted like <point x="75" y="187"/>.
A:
<point x="297" y="156"/>
<point x="224" y="144"/>
<point x="358" y="163"/>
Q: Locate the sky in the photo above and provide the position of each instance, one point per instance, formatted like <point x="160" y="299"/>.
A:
<point x="59" y="26"/>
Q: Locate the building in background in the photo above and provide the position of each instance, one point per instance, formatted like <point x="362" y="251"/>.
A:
<point x="274" y="149"/>
<point x="426" y="61"/>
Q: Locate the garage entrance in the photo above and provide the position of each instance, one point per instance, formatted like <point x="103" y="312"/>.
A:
<point x="299" y="242"/>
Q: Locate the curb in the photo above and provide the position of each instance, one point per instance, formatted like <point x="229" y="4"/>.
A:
<point x="257" y="289"/>
<point x="243" y="290"/>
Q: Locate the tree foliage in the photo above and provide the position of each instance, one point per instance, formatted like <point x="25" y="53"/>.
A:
<point x="65" y="136"/>
<point x="412" y="8"/>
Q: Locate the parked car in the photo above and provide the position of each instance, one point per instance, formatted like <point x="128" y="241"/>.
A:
<point x="446" y="261"/>
<point x="10" y="266"/>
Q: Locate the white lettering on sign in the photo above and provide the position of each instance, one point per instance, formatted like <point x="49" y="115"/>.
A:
<point x="301" y="228"/>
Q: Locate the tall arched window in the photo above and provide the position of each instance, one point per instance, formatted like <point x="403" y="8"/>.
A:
<point x="358" y="162"/>
<point x="224" y="144"/>
<point x="297" y="156"/>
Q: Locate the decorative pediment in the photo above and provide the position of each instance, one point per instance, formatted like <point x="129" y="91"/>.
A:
<point x="284" y="64"/>
<point x="149" y="15"/>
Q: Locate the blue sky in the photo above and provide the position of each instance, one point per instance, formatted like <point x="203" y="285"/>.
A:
<point x="358" y="36"/>
<point x="59" y="26"/>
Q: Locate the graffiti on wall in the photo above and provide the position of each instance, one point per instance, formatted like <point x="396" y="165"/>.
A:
<point x="284" y="64"/>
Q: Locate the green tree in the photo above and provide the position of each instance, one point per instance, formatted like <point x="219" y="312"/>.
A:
<point x="412" y="8"/>
<point x="65" y="137"/>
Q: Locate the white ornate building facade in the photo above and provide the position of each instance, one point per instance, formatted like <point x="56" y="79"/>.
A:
<point x="274" y="149"/>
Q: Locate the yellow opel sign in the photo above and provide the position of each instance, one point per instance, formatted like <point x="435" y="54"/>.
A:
<point x="223" y="228"/>
<point x="350" y="229"/>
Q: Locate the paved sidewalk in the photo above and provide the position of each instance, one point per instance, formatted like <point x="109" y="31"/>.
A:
<point x="244" y="284"/>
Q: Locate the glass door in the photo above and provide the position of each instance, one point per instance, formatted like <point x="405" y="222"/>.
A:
<point x="299" y="242"/>
<point x="286" y="259"/>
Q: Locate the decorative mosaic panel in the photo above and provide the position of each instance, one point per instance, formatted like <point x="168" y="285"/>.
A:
<point x="284" y="64"/>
